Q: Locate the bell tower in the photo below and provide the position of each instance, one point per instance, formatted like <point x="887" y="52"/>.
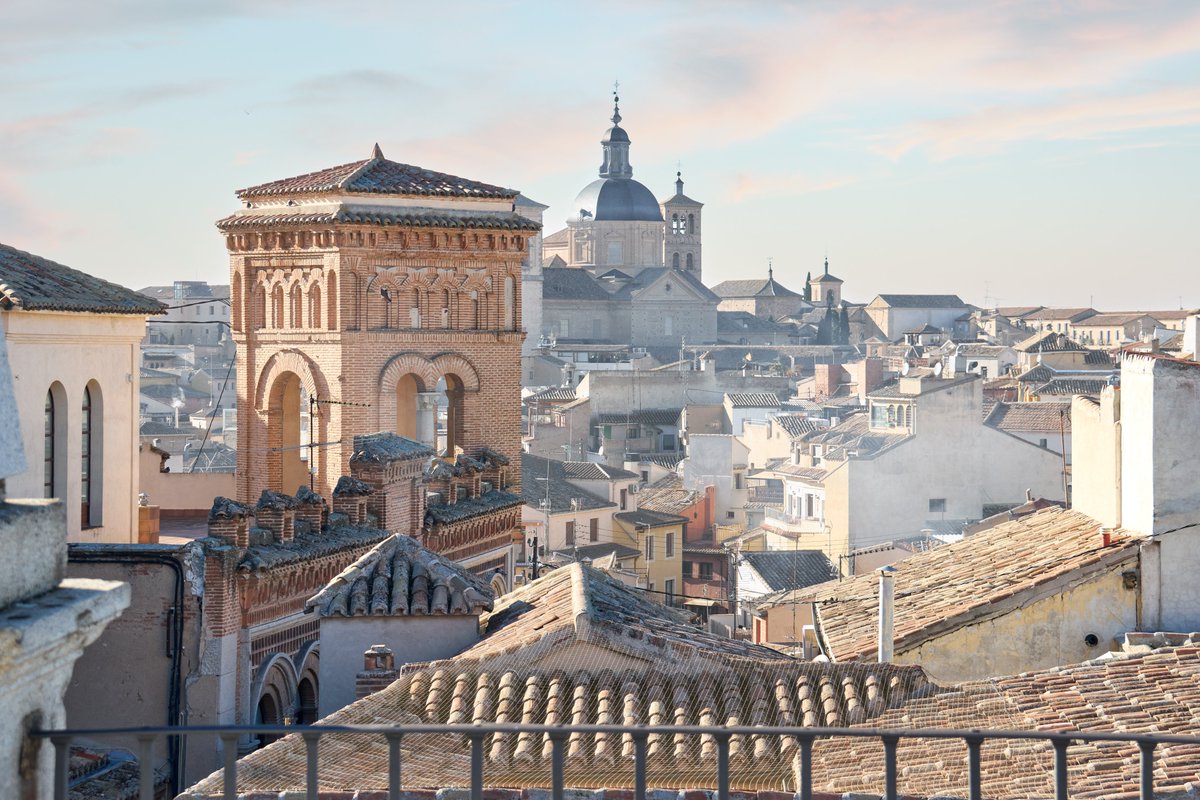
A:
<point x="682" y="230"/>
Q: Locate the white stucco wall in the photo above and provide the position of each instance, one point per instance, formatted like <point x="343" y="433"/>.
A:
<point x="72" y="349"/>
<point x="411" y="639"/>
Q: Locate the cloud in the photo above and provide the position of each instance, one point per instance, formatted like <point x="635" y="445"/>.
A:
<point x="745" y="186"/>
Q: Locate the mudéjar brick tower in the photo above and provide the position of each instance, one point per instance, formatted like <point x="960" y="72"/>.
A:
<point x="372" y="296"/>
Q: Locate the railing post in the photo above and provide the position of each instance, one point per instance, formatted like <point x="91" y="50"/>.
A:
<point x="557" y="773"/>
<point x="722" y="765"/>
<point x="476" y="766"/>
<point x="889" y="765"/>
<point x="1060" y="768"/>
<point x="974" y="777"/>
<point x="146" y="766"/>
<point x="393" y="740"/>
<point x="806" y="744"/>
<point x="229" y="745"/>
<point x="639" y="766"/>
<point x="1147" y="787"/>
<point x="62" y="765"/>
<point x="312" y="741"/>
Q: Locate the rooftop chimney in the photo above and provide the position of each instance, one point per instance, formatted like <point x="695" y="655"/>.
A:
<point x="887" y="590"/>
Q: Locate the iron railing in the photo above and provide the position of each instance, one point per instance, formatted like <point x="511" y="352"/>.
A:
<point x="640" y="734"/>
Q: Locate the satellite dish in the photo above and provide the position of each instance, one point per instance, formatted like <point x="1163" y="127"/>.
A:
<point x="904" y="369"/>
<point x="937" y="370"/>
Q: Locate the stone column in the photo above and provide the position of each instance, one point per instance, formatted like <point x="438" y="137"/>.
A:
<point x="427" y="406"/>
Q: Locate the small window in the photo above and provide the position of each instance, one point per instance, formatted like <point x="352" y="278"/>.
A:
<point x="593" y="530"/>
<point x="1041" y="442"/>
<point x="669" y="590"/>
<point x="706" y="571"/>
<point x="571" y="533"/>
<point x="691" y="265"/>
<point x="687" y="569"/>
<point x="650" y="547"/>
<point x="671" y="545"/>
<point x="614" y="252"/>
<point x="730" y="515"/>
<point x="739" y="480"/>
<point x="937" y="505"/>
<point x="624" y="498"/>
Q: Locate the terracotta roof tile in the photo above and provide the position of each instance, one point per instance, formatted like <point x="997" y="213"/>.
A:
<point x="34" y="283"/>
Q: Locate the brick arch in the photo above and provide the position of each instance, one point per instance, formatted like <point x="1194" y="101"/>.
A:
<point x="396" y="368"/>
<point x="277" y="673"/>
<point x="453" y="363"/>
<point x="290" y="361"/>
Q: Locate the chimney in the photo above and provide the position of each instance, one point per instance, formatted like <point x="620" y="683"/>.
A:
<point x="887" y="591"/>
<point x="277" y="513"/>
<point x="310" y="510"/>
<point x="379" y="671"/>
<point x="227" y="521"/>
<point x="350" y="498"/>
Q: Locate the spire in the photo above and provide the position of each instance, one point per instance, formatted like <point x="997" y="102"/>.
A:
<point x="770" y="269"/>
<point x="679" y="184"/>
<point x="826" y="265"/>
<point x="377" y="153"/>
<point x="616" y="146"/>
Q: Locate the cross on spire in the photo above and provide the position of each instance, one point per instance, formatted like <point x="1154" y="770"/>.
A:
<point x="616" y="117"/>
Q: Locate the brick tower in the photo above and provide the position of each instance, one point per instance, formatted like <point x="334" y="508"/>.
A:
<point x="373" y="296"/>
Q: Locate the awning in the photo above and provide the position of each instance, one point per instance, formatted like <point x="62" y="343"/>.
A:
<point x="695" y="601"/>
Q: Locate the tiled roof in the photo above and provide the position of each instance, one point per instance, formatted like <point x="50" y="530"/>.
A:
<point x="779" y="693"/>
<point x="1110" y="320"/>
<point x="1097" y="357"/>
<point x="399" y="577"/>
<point x="494" y="500"/>
<point x="568" y="283"/>
<point x="649" y="276"/>
<point x="1013" y="312"/>
<point x="855" y="434"/>
<point x="644" y="416"/>
<point x="553" y="394"/>
<point x="558" y="237"/>
<point x="959" y="584"/>
<point x="809" y="474"/>
<point x="791" y="569"/>
<point x="668" y="496"/>
<point x="980" y="350"/>
<point x="380" y="448"/>
<point x="1049" y="342"/>
<point x="34" y="283"/>
<point x="1037" y="373"/>
<point x="535" y="487"/>
<point x="307" y="545"/>
<point x="1059" y="314"/>
<point x="410" y="218"/>
<point x="1072" y="386"/>
<point x="1031" y="417"/>
<point x="795" y="426"/>
<point x="922" y="300"/>
<point x="591" y="552"/>
<point x="649" y="518"/>
<point x="377" y="175"/>
<point x="758" y="287"/>
<point x="668" y="460"/>
<point x="753" y="400"/>
<point x="591" y="471"/>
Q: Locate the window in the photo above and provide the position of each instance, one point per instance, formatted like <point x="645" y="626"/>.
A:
<point x="597" y="329"/>
<point x="687" y="569"/>
<point x="88" y="478"/>
<point x="593" y="530"/>
<point x="668" y="442"/>
<point x="667" y="325"/>
<point x="48" y="448"/>
<point x="808" y="506"/>
<point x="729" y="515"/>
<point x="937" y="505"/>
<point x="669" y="590"/>
<point x="1041" y="442"/>
<point x="675" y="261"/>
<point x="690" y="264"/>
<point x="614" y="252"/>
<point x="671" y="545"/>
<point x="650" y="547"/>
<point x="739" y="480"/>
<point x="571" y="533"/>
<point x="706" y="571"/>
<point x="624" y="498"/>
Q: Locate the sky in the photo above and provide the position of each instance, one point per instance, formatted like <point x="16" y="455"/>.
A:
<point x="1041" y="153"/>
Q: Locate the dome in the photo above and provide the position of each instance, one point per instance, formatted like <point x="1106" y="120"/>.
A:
<point x="615" y="134"/>
<point x="616" y="199"/>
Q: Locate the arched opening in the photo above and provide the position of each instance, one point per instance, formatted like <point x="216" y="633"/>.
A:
<point x="675" y="224"/>
<point x="509" y="303"/>
<point x="91" y="461"/>
<point x="306" y="713"/>
<point x="297" y="308"/>
<point x="331" y="317"/>
<point x="267" y="713"/>
<point x="474" y="311"/>
<point x="235" y="317"/>
<point x="675" y="260"/>
<point x="691" y="223"/>
<point x="407" y="389"/>
<point x="314" y="306"/>
<point x="690" y="264"/>
<point x="445" y="308"/>
<point x="450" y="439"/>
<point x="258" y="313"/>
<point x="288" y="434"/>
<point x="414" y="311"/>
<point x="54" y="442"/>
<point x="277" y="308"/>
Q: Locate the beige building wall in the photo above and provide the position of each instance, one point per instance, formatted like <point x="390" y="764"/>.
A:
<point x="641" y="245"/>
<point x="662" y="567"/>
<point x="1037" y="635"/>
<point x="74" y="350"/>
<point x="1096" y="471"/>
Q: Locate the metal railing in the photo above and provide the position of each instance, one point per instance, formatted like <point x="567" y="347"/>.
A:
<point x="558" y="736"/>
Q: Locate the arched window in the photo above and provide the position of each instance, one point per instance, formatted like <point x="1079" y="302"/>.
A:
<point x="675" y="223"/>
<point x="48" y="447"/>
<point x="314" y="306"/>
<point x="690" y="264"/>
<point x="297" y="310"/>
<point x="691" y="223"/>
<point x="331" y="318"/>
<point x="91" y="460"/>
<point x="258" y="315"/>
<point x="277" y="308"/>
<point x="509" y="303"/>
<point x="474" y="310"/>
<point x="414" y="313"/>
<point x="445" y="308"/>
<point x="675" y="260"/>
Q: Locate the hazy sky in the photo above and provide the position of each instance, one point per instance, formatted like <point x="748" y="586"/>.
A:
<point x="1018" y="152"/>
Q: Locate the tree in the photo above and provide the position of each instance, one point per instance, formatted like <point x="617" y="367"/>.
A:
<point x="845" y="325"/>
<point x="808" y="287"/>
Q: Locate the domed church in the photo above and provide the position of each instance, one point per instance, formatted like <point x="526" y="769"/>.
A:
<point x="615" y="222"/>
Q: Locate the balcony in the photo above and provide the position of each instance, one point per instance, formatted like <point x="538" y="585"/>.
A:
<point x="792" y="523"/>
<point x="726" y="749"/>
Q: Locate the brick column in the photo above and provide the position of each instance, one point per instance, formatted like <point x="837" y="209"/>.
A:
<point x="227" y="521"/>
<point x="379" y="671"/>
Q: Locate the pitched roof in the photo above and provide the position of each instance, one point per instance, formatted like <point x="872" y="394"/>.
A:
<point x="1109" y="320"/>
<point x="922" y="300"/>
<point x="648" y="277"/>
<point x="378" y="175"/>
<point x="1030" y="417"/>
<point x="399" y="577"/>
<point x="486" y="503"/>
<point x="553" y="394"/>
<point x="668" y="496"/>
<point x="1049" y="342"/>
<point x="649" y="518"/>
<point x="568" y="283"/>
<point x="558" y="237"/>
<point x="380" y="448"/>
<point x="33" y="283"/>
<point x="535" y="487"/>
<point x="374" y="215"/>
<point x="790" y="569"/>
<point x="1014" y="312"/>
<point x="756" y="287"/>
<point x="753" y="400"/>
<point x="644" y="416"/>
<point x="1072" y="386"/>
<point x="795" y="425"/>
<point x="966" y="581"/>
<point x="1059" y="314"/>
